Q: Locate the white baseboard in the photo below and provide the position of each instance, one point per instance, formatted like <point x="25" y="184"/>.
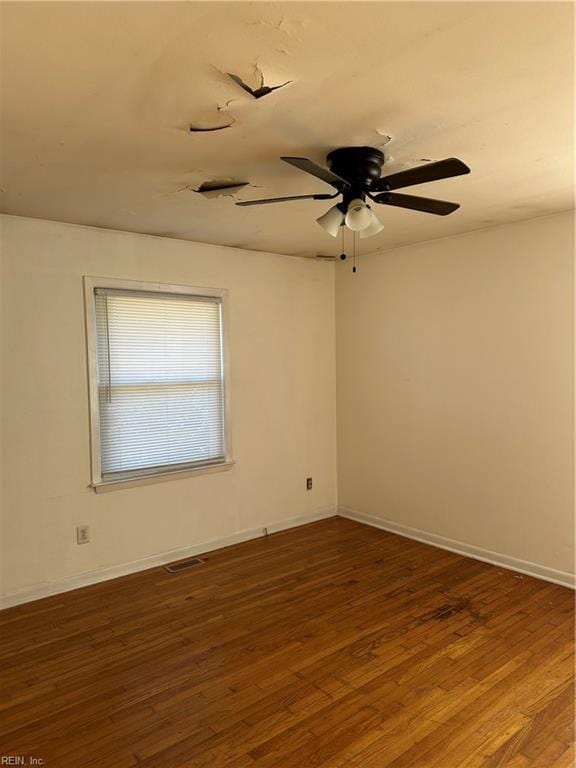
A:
<point x="38" y="591"/>
<point x="564" y="578"/>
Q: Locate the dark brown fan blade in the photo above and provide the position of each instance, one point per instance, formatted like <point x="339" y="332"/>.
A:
<point x="443" y="169"/>
<point x="425" y="204"/>
<point x="286" y="199"/>
<point x="316" y="170"/>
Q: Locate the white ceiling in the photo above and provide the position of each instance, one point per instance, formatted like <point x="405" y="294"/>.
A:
<point x="98" y="99"/>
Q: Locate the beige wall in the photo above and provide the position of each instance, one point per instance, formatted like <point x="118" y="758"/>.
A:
<point x="455" y="389"/>
<point x="283" y="401"/>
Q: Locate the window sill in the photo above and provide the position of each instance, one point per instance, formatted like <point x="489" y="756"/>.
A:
<point x="161" y="477"/>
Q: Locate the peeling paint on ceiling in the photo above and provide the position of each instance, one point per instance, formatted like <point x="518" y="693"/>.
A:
<point x="138" y="104"/>
<point x="216" y="123"/>
<point x="220" y="188"/>
<point x="259" y="90"/>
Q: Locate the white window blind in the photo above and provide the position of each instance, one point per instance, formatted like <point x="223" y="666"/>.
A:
<point x="160" y="381"/>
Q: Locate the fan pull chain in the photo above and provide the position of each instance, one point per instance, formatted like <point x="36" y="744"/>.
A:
<point x="342" y="253"/>
<point x="354" y="252"/>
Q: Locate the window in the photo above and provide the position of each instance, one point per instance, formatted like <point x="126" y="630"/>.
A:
<point x="157" y="380"/>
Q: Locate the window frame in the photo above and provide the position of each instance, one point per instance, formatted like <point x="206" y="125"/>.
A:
<point x="144" y="476"/>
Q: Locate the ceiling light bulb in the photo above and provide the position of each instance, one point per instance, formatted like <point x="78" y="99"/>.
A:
<point x="358" y="216"/>
<point x="374" y="227"/>
<point x="331" y="220"/>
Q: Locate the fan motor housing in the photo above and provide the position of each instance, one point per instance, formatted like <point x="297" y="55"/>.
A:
<point x="361" y="166"/>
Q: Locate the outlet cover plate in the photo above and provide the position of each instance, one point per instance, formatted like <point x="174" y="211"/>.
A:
<point x="82" y="534"/>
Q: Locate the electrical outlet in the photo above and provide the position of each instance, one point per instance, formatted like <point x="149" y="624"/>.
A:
<point x="308" y="483"/>
<point x="82" y="534"/>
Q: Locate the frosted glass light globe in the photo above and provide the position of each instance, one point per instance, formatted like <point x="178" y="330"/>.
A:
<point x="359" y="216"/>
<point x="331" y="220"/>
<point x="374" y="227"/>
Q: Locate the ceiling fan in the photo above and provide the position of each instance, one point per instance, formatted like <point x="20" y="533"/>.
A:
<point x="355" y="173"/>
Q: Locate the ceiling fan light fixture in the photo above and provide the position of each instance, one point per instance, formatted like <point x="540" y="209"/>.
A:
<point x="374" y="228"/>
<point x="359" y="216"/>
<point x="331" y="221"/>
<point x="355" y="173"/>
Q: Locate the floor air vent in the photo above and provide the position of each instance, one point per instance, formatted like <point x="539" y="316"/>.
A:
<point x="183" y="565"/>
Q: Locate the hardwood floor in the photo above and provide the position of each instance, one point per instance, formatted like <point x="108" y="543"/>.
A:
<point x="329" y="645"/>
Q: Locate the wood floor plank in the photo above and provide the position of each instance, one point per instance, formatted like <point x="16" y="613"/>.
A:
<point x="333" y="645"/>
